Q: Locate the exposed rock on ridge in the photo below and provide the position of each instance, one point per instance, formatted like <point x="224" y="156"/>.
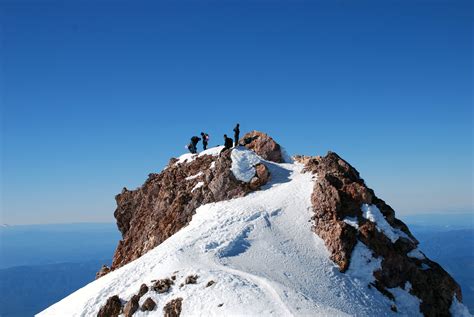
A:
<point x="338" y="194"/>
<point x="262" y="144"/>
<point x="167" y="201"/>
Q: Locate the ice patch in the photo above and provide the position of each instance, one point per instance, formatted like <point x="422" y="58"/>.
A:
<point x="213" y="165"/>
<point x="243" y="162"/>
<point x="198" y="185"/>
<point x="458" y="309"/>
<point x="194" y="176"/>
<point x="363" y="264"/>
<point x="372" y="213"/>
<point x="352" y="221"/>
<point x="416" y="253"/>
<point x="406" y="302"/>
<point x="188" y="157"/>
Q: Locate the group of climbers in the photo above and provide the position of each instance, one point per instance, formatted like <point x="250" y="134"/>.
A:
<point x="228" y="142"/>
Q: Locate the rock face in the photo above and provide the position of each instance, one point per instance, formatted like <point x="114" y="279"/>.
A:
<point x="338" y="199"/>
<point x="263" y="145"/>
<point x="167" y="201"/>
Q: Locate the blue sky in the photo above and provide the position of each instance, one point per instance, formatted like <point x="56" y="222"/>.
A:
<point x="97" y="94"/>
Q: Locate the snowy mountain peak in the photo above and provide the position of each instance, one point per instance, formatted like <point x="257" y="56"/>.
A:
<point x="247" y="231"/>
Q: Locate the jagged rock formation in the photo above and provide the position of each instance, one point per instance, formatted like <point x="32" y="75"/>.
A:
<point x="339" y="193"/>
<point x="167" y="201"/>
<point x="344" y="210"/>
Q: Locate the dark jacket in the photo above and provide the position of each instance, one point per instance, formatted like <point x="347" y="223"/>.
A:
<point x="228" y="143"/>
<point x="195" y="140"/>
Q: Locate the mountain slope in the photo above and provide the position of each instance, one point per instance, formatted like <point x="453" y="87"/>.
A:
<point x="258" y="249"/>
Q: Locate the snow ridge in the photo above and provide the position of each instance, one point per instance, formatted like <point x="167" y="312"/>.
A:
<point x="262" y="255"/>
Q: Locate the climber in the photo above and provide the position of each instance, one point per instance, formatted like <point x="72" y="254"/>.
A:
<point x="227" y="142"/>
<point x="194" y="142"/>
<point x="205" y="140"/>
<point x="191" y="148"/>
<point x="236" y="134"/>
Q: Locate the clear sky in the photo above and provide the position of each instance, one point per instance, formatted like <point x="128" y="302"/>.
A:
<point x="97" y="94"/>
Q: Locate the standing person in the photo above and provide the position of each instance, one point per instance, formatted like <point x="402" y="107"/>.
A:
<point x="191" y="148"/>
<point x="205" y="140"/>
<point x="236" y="134"/>
<point x="227" y="142"/>
<point x="194" y="142"/>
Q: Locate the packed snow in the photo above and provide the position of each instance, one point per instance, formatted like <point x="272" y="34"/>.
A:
<point x="189" y="157"/>
<point x="372" y="213"/>
<point x="262" y="255"/>
<point x="195" y="176"/>
<point x="243" y="162"/>
<point x="352" y="221"/>
<point x="406" y="301"/>
<point x="198" y="185"/>
<point x="458" y="309"/>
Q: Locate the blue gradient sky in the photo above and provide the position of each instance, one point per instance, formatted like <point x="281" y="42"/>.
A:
<point x="97" y="94"/>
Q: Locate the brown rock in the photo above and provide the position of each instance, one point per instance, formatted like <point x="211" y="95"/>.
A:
<point x="111" y="308"/>
<point x="210" y="283"/>
<point x="103" y="271"/>
<point x="191" y="279"/>
<point x="262" y="176"/>
<point x="132" y="306"/>
<point x="162" y="286"/>
<point x="263" y="145"/>
<point x="143" y="290"/>
<point x="173" y="308"/>
<point x="148" y="305"/>
<point x="166" y="202"/>
<point x="339" y="192"/>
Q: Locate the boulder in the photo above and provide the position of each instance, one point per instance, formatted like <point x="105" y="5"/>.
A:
<point x="132" y="306"/>
<point x="162" y="286"/>
<point x="148" y="305"/>
<point x="173" y="308"/>
<point x="191" y="279"/>
<point x="112" y="307"/>
<point x="263" y="145"/>
<point x="143" y="290"/>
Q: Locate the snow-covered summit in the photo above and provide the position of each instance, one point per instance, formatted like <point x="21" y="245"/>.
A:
<point x="238" y="250"/>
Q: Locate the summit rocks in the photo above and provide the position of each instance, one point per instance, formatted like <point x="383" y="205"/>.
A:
<point x="167" y="201"/>
<point x="345" y="213"/>
<point x="263" y="145"/>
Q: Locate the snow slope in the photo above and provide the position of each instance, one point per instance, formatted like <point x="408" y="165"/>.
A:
<point x="263" y="256"/>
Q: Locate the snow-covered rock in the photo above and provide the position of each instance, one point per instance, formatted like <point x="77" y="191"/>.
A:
<point x="206" y="243"/>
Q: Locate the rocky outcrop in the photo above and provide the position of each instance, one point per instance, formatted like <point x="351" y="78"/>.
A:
<point x="112" y="307"/>
<point x="167" y="201"/>
<point x="148" y="305"/>
<point x="263" y="145"/>
<point x="339" y="195"/>
<point x="132" y="306"/>
<point x="163" y="285"/>
<point x="173" y="308"/>
<point x="103" y="271"/>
